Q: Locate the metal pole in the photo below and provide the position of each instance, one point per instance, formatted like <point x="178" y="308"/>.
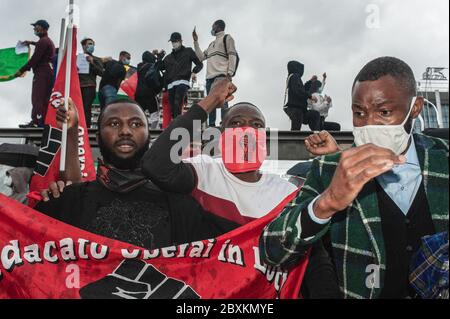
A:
<point x="61" y="44"/>
<point x="62" y="163"/>
<point x="439" y="108"/>
<point x="438" y="115"/>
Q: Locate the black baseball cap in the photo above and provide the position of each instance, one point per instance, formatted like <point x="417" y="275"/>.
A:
<point x="176" y="36"/>
<point x="42" y="23"/>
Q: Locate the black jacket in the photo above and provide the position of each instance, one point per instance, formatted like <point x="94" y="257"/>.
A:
<point x="178" y="65"/>
<point x="297" y="95"/>
<point x="113" y="74"/>
<point x="145" y="95"/>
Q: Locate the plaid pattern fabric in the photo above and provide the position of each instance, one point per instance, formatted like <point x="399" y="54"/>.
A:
<point x="429" y="275"/>
<point x="356" y="234"/>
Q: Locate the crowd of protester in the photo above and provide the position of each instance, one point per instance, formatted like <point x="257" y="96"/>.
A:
<point x="156" y="73"/>
<point x="173" y="73"/>
<point x="375" y="203"/>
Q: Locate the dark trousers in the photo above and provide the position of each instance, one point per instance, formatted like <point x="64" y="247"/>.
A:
<point x="177" y="97"/>
<point x="322" y="123"/>
<point x="40" y="95"/>
<point x="88" y="95"/>
<point x="331" y="126"/>
<point x="299" y="117"/>
<point x="213" y="114"/>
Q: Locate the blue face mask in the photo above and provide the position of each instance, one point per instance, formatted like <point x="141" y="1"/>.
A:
<point x="126" y="62"/>
<point x="36" y="33"/>
<point x="90" y="49"/>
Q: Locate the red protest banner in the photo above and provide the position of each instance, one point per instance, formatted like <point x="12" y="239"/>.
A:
<point x="47" y="259"/>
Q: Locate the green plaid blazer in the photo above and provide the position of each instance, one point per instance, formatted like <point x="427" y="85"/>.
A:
<point x="356" y="235"/>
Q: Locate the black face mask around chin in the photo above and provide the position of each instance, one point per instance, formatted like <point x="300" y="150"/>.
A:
<point x="120" y="175"/>
<point x="119" y="181"/>
<point x="130" y="164"/>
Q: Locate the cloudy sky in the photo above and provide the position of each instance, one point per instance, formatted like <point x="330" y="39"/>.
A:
<point x="338" y="37"/>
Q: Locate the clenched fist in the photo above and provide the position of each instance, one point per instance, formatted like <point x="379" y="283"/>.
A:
<point x="321" y="144"/>
<point x="69" y="116"/>
<point x="222" y="91"/>
<point x="356" y="168"/>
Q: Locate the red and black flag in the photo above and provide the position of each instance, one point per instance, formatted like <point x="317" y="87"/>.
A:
<point x="47" y="165"/>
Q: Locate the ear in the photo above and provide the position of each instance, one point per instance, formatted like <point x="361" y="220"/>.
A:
<point x="417" y="107"/>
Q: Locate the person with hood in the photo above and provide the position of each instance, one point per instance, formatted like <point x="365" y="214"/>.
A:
<point x="296" y="100"/>
<point x="41" y="63"/>
<point x="178" y="72"/>
<point x="149" y="86"/>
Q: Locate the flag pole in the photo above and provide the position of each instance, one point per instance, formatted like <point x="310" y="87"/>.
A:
<point x="61" y="44"/>
<point x="69" y="36"/>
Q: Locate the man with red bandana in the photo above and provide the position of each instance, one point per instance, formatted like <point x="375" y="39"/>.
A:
<point x="231" y="186"/>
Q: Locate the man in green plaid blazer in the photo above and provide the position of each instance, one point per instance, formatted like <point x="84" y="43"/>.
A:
<point x="339" y="198"/>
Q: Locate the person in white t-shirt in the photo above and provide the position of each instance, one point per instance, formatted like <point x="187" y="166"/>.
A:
<point x="235" y="191"/>
<point x="231" y="186"/>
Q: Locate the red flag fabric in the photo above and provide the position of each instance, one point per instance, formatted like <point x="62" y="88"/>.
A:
<point x="166" y="113"/>
<point x="129" y="86"/>
<point x="47" y="259"/>
<point x="47" y="165"/>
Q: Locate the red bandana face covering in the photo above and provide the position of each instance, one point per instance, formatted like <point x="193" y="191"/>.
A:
<point x="243" y="149"/>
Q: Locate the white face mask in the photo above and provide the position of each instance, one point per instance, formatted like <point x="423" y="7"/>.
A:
<point x="176" y="45"/>
<point x="393" y="137"/>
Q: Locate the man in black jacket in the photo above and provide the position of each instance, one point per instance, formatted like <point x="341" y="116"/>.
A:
<point x="297" y="100"/>
<point x="149" y="86"/>
<point x="113" y="75"/>
<point x="178" y="72"/>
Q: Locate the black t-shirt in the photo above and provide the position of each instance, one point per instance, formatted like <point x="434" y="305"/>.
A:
<point x="145" y="217"/>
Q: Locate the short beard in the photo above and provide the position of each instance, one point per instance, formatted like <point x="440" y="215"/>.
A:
<point x="126" y="164"/>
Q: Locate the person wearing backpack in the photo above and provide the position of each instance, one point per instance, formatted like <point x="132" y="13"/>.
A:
<point x="149" y="85"/>
<point x="222" y="57"/>
<point x="177" y="67"/>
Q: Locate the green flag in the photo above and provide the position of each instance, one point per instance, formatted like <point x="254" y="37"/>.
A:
<point x="10" y="63"/>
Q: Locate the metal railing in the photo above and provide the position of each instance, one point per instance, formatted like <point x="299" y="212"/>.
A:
<point x="291" y="145"/>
